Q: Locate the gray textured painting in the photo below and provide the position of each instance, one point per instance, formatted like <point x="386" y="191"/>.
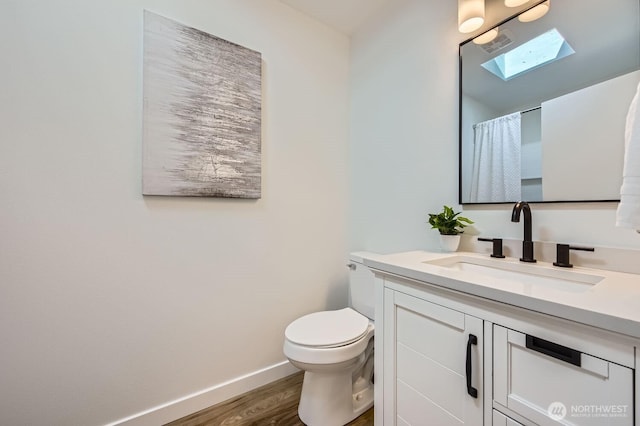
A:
<point x="202" y="111"/>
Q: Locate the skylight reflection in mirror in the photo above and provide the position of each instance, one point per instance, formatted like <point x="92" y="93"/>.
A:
<point x="537" y="52"/>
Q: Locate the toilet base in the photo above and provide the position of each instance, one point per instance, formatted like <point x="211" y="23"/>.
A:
<point x="336" y="395"/>
<point x="328" y="399"/>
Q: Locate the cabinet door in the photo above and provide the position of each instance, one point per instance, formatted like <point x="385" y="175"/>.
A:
<point x="548" y="383"/>
<point x="438" y="364"/>
<point x="500" y="419"/>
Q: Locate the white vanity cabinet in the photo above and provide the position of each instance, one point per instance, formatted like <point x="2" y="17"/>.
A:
<point x="436" y="345"/>
<point x="437" y="354"/>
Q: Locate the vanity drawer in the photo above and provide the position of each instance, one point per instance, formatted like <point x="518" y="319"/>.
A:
<point x="544" y="381"/>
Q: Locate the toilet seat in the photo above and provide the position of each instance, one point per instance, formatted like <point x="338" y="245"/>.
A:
<point x="328" y="329"/>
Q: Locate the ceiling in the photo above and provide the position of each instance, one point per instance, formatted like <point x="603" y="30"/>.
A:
<point x="619" y="28"/>
<point x="344" y="15"/>
<point x="605" y="39"/>
<point x="347" y="16"/>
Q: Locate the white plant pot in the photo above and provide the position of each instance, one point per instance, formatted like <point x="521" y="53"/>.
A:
<point x="449" y="243"/>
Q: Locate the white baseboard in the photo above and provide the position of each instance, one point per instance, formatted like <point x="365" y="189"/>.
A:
<point x="207" y="397"/>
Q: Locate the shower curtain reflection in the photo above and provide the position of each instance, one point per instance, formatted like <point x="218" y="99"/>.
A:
<point x="496" y="169"/>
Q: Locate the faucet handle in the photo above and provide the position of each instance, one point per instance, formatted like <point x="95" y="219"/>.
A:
<point x="562" y="254"/>
<point x="497" y="246"/>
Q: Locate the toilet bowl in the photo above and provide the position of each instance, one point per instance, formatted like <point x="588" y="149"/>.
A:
<point x="335" y="350"/>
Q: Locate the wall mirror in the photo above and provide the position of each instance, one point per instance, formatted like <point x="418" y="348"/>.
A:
<point x="543" y="104"/>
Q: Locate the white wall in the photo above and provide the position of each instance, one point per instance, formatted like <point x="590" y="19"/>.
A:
<point x="531" y="155"/>
<point x="111" y="303"/>
<point x="404" y="143"/>
<point x="404" y="139"/>
<point x="577" y="133"/>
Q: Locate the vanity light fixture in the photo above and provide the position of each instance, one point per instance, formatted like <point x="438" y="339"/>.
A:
<point x="514" y="3"/>
<point x="470" y="15"/>
<point x="487" y="37"/>
<point x="536" y="12"/>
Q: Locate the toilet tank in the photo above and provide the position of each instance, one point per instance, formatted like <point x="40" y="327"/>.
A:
<point x="361" y="287"/>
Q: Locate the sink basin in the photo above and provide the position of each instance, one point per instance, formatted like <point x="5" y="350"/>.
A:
<point x="527" y="275"/>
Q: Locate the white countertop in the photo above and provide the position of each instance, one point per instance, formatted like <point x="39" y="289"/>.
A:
<point x="612" y="304"/>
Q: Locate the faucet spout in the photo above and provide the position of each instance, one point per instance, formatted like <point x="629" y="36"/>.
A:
<point x="527" y="242"/>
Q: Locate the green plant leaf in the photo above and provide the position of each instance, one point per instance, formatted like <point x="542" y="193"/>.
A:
<point x="448" y="222"/>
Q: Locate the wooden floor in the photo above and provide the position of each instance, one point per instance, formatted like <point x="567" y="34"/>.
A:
<point x="273" y="404"/>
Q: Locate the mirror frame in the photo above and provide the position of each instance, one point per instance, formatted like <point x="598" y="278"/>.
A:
<point x="460" y="98"/>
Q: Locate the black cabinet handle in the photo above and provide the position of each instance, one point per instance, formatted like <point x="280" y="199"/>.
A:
<point x="473" y="340"/>
<point x="554" y="350"/>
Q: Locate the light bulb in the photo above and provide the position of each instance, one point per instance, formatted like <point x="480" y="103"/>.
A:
<point x="536" y="12"/>
<point x="486" y="37"/>
<point x="514" y="3"/>
<point x="470" y="15"/>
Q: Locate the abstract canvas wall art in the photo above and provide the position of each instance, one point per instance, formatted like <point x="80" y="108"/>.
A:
<point x="201" y="113"/>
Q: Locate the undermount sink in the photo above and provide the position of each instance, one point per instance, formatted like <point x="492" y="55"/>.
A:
<point x="529" y="275"/>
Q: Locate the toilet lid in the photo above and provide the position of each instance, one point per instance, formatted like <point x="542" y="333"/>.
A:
<point x="328" y="328"/>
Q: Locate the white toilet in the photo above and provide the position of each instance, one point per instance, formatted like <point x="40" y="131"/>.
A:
<point x="335" y="350"/>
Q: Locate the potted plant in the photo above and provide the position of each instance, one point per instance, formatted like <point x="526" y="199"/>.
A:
<point x="450" y="225"/>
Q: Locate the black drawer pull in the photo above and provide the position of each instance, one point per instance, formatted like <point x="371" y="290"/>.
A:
<point x="473" y="340"/>
<point x="554" y="350"/>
